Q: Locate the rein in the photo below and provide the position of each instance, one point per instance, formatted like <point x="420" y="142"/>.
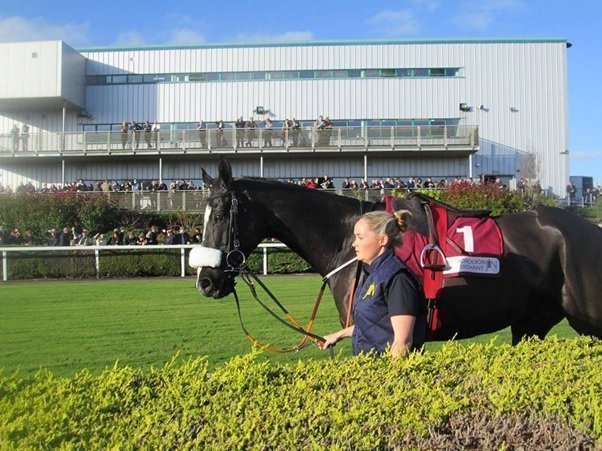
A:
<point x="308" y="336"/>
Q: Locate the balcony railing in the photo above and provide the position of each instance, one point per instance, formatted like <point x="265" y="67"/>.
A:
<point x="458" y="137"/>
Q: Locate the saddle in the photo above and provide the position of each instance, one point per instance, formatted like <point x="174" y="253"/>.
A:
<point x="455" y="243"/>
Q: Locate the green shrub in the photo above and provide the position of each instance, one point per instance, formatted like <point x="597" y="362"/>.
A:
<point x="552" y="386"/>
<point x="489" y="196"/>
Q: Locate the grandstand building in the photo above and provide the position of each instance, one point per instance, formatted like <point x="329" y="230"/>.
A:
<point x="439" y="108"/>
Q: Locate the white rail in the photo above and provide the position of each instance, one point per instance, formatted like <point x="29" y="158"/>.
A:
<point x="98" y="249"/>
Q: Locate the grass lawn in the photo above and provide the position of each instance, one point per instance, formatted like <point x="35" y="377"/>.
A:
<point x="66" y="326"/>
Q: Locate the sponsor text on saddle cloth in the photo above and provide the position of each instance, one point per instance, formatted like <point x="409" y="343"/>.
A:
<point x="473" y="246"/>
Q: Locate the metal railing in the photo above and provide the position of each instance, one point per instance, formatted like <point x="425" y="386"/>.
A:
<point x="110" y="250"/>
<point x="461" y="137"/>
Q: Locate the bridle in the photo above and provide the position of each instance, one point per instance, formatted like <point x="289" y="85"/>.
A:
<point x="235" y="265"/>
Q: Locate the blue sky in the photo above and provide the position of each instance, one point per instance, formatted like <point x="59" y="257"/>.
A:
<point x="127" y="23"/>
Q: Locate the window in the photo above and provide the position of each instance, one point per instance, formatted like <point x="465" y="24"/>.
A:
<point x="387" y="73"/>
<point x="339" y="74"/>
<point x="404" y="73"/>
<point x="118" y="79"/>
<point x="134" y="78"/>
<point x="306" y="74"/>
<point x="421" y="72"/>
<point x="197" y="76"/>
<point x="323" y="74"/>
<point x="438" y="72"/>
<point x="354" y="73"/>
<point x="368" y="73"/>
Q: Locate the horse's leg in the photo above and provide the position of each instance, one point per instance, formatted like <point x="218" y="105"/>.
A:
<point x="544" y="314"/>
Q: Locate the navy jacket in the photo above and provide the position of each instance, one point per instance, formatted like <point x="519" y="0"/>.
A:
<point x="373" y="329"/>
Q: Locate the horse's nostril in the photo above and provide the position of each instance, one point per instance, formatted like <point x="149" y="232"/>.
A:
<point x="205" y="285"/>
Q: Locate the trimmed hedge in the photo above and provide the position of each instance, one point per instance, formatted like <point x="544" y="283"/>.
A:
<point x="537" y="395"/>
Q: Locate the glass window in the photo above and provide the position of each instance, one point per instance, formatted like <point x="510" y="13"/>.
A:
<point x="134" y="78"/>
<point x="387" y="72"/>
<point x="275" y="75"/>
<point x="306" y="74"/>
<point x="120" y="79"/>
<point x="290" y="75"/>
<point x="212" y="76"/>
<point x="421" y="72"/>
<point x="258" y="75"/>
<point x="179" y="78"/>
<point x="339" y="73"/>
<point x="243" y="75"/>
<point x="98" y="80"/>
<point x="404" y="72"/>
<point x="229" y="76"/>
<point x="438" y="72"/>
<point x="452" y="71"/>
<point x="197" y="76"/>
<point x="323" y="74"/>
<point x="367" y="73"/>
<point x="354" y="73"/>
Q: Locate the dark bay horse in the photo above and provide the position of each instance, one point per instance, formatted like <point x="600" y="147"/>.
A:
<point x="550" y="268"/>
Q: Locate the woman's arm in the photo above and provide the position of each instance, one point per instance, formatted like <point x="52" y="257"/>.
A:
<point x="403" y="330"/>
<point x="332" y="339"/>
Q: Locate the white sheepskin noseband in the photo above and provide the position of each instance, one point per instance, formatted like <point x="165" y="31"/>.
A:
<point x="204" y="256"/>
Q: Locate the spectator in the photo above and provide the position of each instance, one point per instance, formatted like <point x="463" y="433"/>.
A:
<point x="25" y="137"/>
<point x="136" y="130"/>
<point x="53" y="237"/>
<point x="267" y="132"/>
<point x="155" y="130"/>
<point x="295" y="131"/>
<point x="202" y="131"/>
<point x="15" y="237"/>
<point x="142" y="240"/>
<point x="169" y="237"/>
<point x="124" y="134"/>
<point x="99" y="239"/>
<point x="220" y="140"/>
<point x="251" y="127"/>
<point x="83" y="239"/>
<point x="239" y="131"/>
<point x="151" y="235"/>
<point x="130" y="239"/>
<point x="346" y="184"/>
<point x="65" y="237"/>
<point x="15" y="134"/>
<point x="181" y="237"/>
<point x="197" y="238"/>
<point x="148" y="128"/>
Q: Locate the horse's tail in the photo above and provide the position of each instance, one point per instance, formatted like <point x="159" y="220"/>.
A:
<point x="580" y="255"/>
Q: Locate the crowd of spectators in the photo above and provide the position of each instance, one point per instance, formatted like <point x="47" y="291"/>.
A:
<point x="71" y="236"/>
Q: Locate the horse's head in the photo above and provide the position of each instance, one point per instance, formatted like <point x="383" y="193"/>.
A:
<point x="222" y="254"/>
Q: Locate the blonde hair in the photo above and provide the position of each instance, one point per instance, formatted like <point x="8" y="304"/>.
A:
<point x="391" y="225"/>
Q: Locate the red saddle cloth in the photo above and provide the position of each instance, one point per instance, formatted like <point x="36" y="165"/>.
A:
<point x="472" y="246"/>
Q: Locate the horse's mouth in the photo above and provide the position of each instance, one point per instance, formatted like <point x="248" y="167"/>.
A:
<point x="215" y="289"/>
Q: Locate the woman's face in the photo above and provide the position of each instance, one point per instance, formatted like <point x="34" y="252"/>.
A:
<point x="367" y="244"/>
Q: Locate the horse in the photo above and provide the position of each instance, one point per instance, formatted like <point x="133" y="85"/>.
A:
<point x="549" y="267"/>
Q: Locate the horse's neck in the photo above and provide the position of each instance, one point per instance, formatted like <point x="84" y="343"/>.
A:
<point x="317" y="227"/>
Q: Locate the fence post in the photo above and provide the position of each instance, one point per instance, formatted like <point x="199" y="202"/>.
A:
<point x="183" y="262"/>
<point x="97" y="258"/>
<point x="265" y="261"/>
<point x="4" y="266"/>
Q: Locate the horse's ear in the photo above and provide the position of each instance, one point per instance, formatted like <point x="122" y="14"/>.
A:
<point x="225" y="172"/>
<point x="207" y="179"/>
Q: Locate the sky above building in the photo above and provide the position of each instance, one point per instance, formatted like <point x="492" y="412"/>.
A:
<point x="122" y="23"/>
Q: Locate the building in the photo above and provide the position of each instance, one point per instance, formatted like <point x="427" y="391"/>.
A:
<point x="440" y="108"/>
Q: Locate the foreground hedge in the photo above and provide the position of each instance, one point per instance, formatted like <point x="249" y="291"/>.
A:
<point x="538" y="395"/>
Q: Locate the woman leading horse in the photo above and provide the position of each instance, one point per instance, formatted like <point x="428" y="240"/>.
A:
<point x="549" y="267"/>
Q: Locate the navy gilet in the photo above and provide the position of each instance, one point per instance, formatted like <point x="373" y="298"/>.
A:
<point x="373" y="328"/>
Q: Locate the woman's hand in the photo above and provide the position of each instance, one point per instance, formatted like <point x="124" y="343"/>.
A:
<point x="332" y="339"/>
<point x="329" y="340"/>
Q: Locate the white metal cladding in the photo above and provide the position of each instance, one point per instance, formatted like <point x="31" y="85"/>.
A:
<point x="521" y="85"/>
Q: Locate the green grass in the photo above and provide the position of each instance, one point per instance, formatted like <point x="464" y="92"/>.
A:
<point x="66" y="326"/>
